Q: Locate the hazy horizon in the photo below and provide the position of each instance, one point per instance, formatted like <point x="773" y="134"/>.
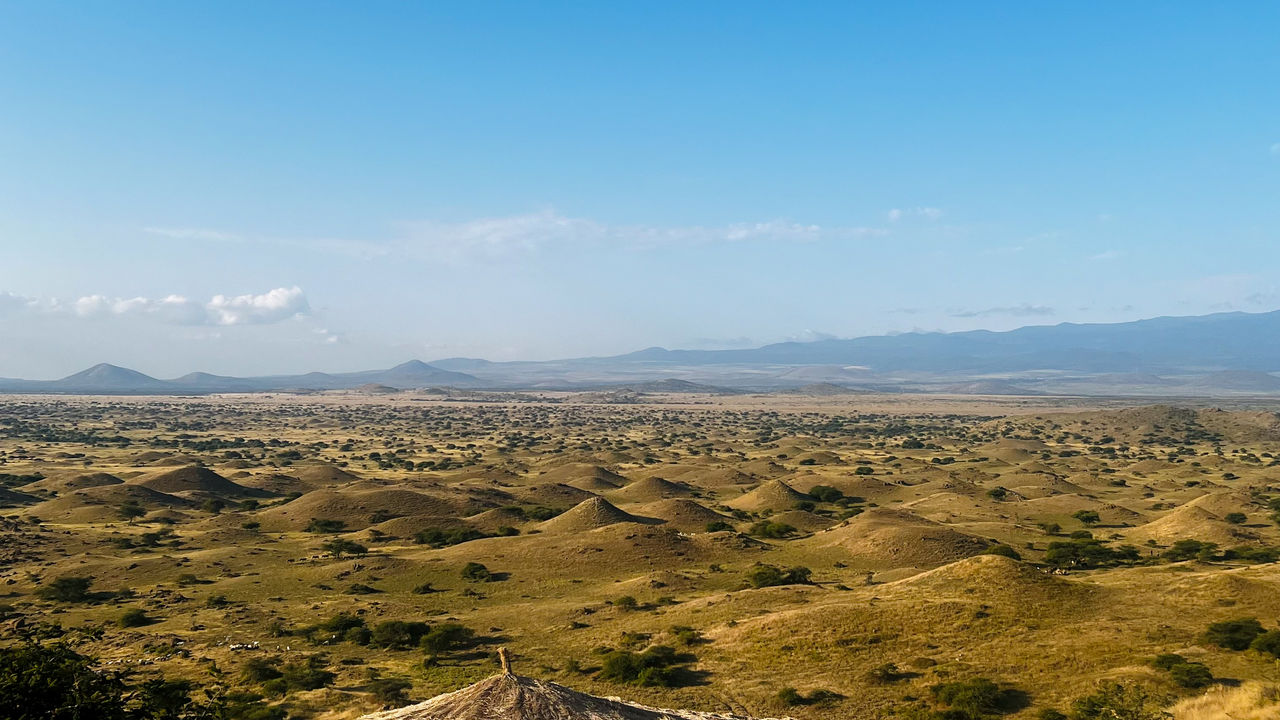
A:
<point x="248" y="190"/>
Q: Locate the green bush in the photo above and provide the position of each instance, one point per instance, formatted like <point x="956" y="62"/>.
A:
<point x="134" y="617"/>
<point x="825" y="493"/>
<point x="54" y="681"/>
<point x="1191" y="675"/>
<point x="442" y="538"/>
<point x="390" y="691"/>
<point x="1235" y="634"/>
<point x="338" y="547"/>
<point x="655" y="667"/>
<point x="66" y="589"/>
<point x="790" y="697"/>
<point x="476" y="572"/>
<point x="885" y="673"/>
<point x="973" y="698"/>
<point x="718" y="525"/>
<point x="1088" y="517"/>
<point x="1119" y="701"/>
<point x="1167" y="660"/>
<point x="1002" y="551"/>
<point x="687" y="635"/>
<point x="774" y="530"/>
<point x="259" y="670"/>
<point x="1087" y="553"/>
<point x="1259" y="555"/>
<point x="1189" y="550"/>
<point x="761" y="576"/>
<point x="444" y="638"/>
<point x="309" y="674"/>
<point x="1268" y="642"/>
<point x="319" y="525"/>
<point x="397" y="634"/>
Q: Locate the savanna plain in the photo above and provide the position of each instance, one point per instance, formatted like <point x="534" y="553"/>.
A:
<point x="846" y="556"/>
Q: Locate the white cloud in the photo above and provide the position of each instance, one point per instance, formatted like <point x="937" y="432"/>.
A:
<point x="521" y="235"/>
<point x="807" y="335"/>
<point x="928" y="213"/>
<point x="1020" y="310"/>
<point x="198" y="234"/>
<point x="1275" y="149"/>
<point x="270" y="307"/>
<point x="10" y="302"/>
<point x="1105" y="255"/>
<point x="524" y="234"/>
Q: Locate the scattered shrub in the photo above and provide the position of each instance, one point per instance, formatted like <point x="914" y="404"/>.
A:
<point x="66" y="589"/>
<point x="390" y="691"/>
<point x="655" y="667"/>
<point x="790" y="697"/>
<point x="761" y="576"/>
<point x="476" y="572"/>
<point x="825" y="493"/>
<point x="134" y="617"/>
<point x="775" y="530"/>
<point x="1268" y="642"/>
<point x="1087" y="517"/>
<point x="1003" y="551"/>
<point x="1191" y="674"/>
<point x="318" y="525"/>
<point x="1119" y="701"/>
<point x="1235" y="634"/>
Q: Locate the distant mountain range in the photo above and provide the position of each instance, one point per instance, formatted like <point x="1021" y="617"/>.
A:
<point x="1224" y="353"/>
<point x="108" y="379"/>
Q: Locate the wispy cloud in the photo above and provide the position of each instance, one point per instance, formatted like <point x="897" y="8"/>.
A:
<point x="1275" y="148"/>
<point x="1106" y="255"/>
<point x="530" y="233"/>
<point x="1021" y="310"/>
<point x="267" y="308"/>
<point x="198" y="234"/>
<point x="522" y="235"/>
<point x="928" y="213"/>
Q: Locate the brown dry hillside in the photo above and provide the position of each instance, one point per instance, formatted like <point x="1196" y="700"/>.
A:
<point x="194" y="479"/>
<point x="589" y="514"/>
<point x="815" y="557"/>
<point x="885" y="539"/>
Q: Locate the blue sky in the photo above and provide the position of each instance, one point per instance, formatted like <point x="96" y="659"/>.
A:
<point x="273" y="187"/>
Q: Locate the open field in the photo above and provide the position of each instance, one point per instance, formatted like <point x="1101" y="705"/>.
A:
<point x="917" y="540"/>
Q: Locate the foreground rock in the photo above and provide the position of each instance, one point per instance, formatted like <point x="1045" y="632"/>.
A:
<point x="513" y="697"/>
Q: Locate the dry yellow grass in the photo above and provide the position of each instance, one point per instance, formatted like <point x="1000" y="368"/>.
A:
<point x="633" y="488"/>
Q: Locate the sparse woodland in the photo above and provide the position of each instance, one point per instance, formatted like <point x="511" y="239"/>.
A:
<point x="271" y="557"/>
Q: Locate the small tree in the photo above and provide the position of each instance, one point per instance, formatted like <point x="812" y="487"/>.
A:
<point x="1235" y="634"/>
<point x="1119" y="701"/>
<point x="131" y="510"/>
<point x="66" y="589"/>
<point x="1088" y="517"/>
<point x="476" y="572"/>
<point x="1268" y="643"/>
<point x="443" y="638"/>
<point x="392" y="692"/>
<point x="134" y="617"/>
<point x="337" y="547"/>
<point x="1191" y="674"/>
